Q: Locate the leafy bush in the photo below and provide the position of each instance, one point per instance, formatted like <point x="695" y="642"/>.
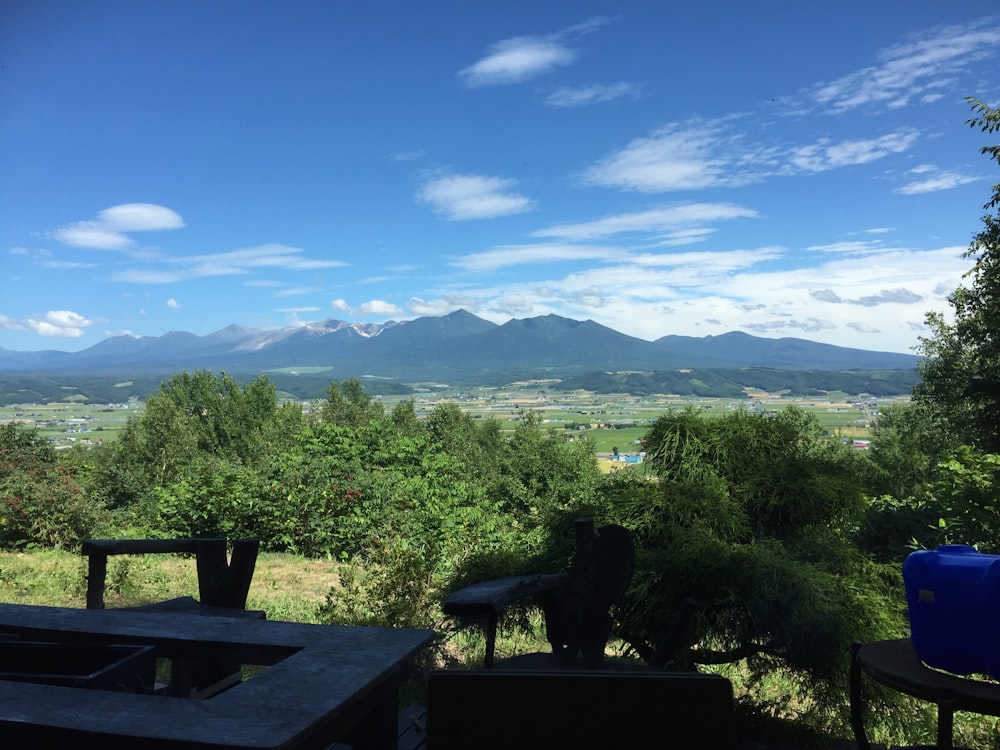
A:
<point x="750" y="516"/>
<point x="41" y="503"/>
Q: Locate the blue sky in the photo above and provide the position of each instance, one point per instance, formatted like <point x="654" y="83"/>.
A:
<point x="779" y="168"/>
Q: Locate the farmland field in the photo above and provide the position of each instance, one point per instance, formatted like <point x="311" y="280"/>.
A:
<point x="610" y="421"/>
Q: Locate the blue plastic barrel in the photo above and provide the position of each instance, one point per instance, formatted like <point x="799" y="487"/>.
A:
<point x="953" y="593"/>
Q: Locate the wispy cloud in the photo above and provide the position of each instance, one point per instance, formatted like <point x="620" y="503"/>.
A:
<point x="519" y="255"/>
<point x="109" y="231"/>
<point x="232" y="263"/>
<point x="851" y="247"/>
<point x="933" y="179"/>
<point x="462" y="197"/>
<point x="694" y="155"/>
<point x="668" y="219"/>
<point x="580" y="96"/>
<point x="296" y="291"/>
<point x="173" y="304"/>
<point x="884" y="296"/>
<point x="826" y="154"/>
<point x="681" y="156"/>
<point x="516" y="60"/>
<point x="522" y="58"/>
<point x="913" y="69"/>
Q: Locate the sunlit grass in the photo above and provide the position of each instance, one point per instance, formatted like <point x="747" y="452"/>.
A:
<point x="286" y="587"/>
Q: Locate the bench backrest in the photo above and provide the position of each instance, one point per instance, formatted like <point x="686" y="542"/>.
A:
<point x="221" y="582"/>
<point x="486" y="709"/>
<point x="577" y="615"/>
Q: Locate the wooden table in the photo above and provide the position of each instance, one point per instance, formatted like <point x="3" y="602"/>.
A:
<point x="326" y="683"/>
<point x="895" y="664"/>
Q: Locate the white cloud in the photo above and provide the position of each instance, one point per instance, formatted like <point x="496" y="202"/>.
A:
<point x="826" y="154"/>
<point x="61" y="323"/>
<point x="9" y="324"/>
<point x="442" y="306"/>
<point x="92" y="235"/>
<point x="371" y="307"/>
<point x="462" y="197"/>
<point x="173" y="304"/>
<point x="580" y="96"/>
<point x="109" y="230"/>
<point x="693" y="155"/>
<point x="912" y="69"/>
<point x="296" y="291"/>
<point x="233" y="263"/>
<point x="516" y="60"/>
<point x="667" y="219"/>
<point x="518" y="255"/>
<point x="522" y="58"/>
<point x="685" y="236"/>
<point x="935" y="180"/>
<point x="66" y="265"/>
<point x="853" y="247"/>
<point x="379" y="307"/>
<point x="674" y="157"/>
<point x="140" y="217"/>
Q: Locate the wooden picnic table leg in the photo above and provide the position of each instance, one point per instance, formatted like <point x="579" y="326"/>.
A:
<point x="378" y="728"/>
<point x="857" y="710"/>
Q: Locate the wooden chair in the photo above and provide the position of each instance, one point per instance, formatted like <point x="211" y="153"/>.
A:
<point x="223" y="586"/>
<point x="501" y="709"/>
<point x="576" y="603"/>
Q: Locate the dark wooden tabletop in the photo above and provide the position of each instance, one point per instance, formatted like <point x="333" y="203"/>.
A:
<point x="322" y="681"/>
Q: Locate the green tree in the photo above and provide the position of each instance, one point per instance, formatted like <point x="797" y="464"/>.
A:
<point x="751" y="516"/>
<point x="195" y="424"/>
<point x="348" y="404"/>
<point x="960" y="371"/>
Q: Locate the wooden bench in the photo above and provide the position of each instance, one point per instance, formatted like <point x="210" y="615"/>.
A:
<point x="576" y="603"/>
<point x="494" y="708"/>
<point x="223" y="586"/>
<point x="221" y="583"/>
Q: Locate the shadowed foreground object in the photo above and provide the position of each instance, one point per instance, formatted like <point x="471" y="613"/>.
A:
<point x="486" y="709"/>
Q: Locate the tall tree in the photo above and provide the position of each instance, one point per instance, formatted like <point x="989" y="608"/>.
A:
<point x="960" y="372"/>
<point x="349" y="405"/>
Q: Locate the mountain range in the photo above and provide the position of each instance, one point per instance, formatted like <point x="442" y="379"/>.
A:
<point x="456" y="348"/>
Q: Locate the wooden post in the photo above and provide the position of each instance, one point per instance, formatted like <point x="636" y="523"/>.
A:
<point x="97" y="571"/>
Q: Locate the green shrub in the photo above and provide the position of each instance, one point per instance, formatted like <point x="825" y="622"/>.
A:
<point x="41" y="503"/>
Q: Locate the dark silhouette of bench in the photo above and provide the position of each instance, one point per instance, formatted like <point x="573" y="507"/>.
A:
<point x="223" y="586"/>
<point x="491" y="709"/>
<point x="221" y="583"/>
<point x="576" y="604"/>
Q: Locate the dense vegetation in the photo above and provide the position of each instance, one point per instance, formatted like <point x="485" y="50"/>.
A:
<point x="788" y="543"/>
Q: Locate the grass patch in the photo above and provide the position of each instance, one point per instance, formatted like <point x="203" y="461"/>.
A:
<point x="287" y="587"/>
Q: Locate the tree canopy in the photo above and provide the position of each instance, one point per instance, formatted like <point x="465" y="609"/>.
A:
<point x="960" y="373"/>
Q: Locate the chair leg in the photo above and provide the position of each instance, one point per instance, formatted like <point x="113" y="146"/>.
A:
<point x="491" y="639"/>
<point x="857" y="710"/>
<point x="946" y="724"/>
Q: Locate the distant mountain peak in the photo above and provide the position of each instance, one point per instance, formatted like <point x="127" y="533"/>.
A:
<point x="457" y="346"/>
